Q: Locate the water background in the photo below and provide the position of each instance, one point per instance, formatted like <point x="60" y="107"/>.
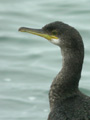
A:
<point x="29" y="63"/>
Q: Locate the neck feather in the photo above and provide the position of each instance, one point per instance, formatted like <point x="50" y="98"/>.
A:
<point x="66" y="82"/>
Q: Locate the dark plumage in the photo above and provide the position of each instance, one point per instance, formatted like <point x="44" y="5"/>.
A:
<point x="66" y="100"/>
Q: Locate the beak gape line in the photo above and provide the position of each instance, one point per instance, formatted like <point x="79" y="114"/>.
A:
<point x="38" y="32"/>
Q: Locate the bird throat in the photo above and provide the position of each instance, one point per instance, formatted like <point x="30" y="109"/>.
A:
<point x="65" y="84"/>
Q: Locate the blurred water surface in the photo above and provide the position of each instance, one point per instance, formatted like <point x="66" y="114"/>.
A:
<point x="29" y="63"/>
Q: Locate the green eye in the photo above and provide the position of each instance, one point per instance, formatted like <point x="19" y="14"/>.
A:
<point x="54" y="32"/>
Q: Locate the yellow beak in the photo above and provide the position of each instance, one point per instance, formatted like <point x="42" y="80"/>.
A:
<point x="38" y="32"/>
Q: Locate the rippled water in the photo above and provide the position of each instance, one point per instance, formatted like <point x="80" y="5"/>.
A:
<point x="29" y="63"/>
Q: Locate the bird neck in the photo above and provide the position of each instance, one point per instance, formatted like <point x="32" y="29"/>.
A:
<point x="66" y="82"/>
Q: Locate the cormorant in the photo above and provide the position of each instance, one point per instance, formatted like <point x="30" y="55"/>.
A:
<point x="67" y="102"/>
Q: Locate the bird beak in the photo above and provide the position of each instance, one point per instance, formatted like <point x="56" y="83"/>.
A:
<point x="38" y="32"/>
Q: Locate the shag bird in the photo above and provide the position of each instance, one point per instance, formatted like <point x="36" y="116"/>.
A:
<point x="67" y="102"/>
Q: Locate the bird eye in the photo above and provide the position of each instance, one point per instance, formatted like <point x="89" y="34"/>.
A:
<point x="54" y="32"/>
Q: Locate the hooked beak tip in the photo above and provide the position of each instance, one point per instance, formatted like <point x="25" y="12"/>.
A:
<point x="21" y="29"/>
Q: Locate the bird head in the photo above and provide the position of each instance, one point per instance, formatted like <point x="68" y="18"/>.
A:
<point x="57" y="33"/>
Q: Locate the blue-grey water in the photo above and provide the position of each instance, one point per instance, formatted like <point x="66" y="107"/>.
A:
<point x="29" y="63"/>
